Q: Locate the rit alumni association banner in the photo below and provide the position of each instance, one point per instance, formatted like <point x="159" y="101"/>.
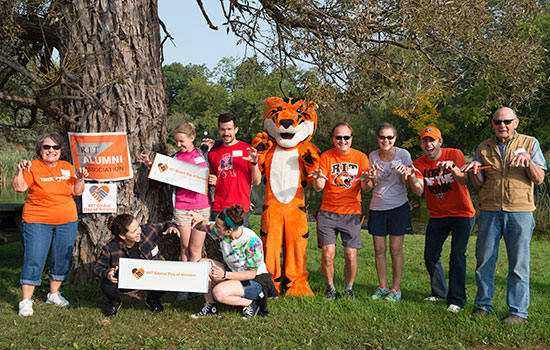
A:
<point x="105" y="155"/>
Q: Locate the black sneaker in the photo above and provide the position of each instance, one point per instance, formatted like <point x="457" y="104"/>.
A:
<point x="207" y="310"/>
<point x="154" y="305"/>
<point x="349" y="294"/>
<point x="112" y="308"/>
<point x="330" y="293"/>
<point x="251" y="310"/>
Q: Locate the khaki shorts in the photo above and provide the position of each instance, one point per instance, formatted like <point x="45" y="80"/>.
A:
<point x="182" y="219"/>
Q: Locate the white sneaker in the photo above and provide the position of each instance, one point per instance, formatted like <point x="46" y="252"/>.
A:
<point x="57" y="299"/>
<point x="431" y="298"/>
<point x="454" y="308"/>
<point x="25" y="308"/>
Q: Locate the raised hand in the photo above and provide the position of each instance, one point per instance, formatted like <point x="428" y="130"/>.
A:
<point x="522" y="159"/>
<point x="252" y="155"/>
<point x="318" y="174"/>
<point x="81" y="173"/>
<point x="144" y="158"/>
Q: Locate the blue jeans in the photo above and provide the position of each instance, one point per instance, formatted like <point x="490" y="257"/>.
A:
<point x="37" y="239"/>
<point x="517" y="229"/>
<point x="436" y="233"/>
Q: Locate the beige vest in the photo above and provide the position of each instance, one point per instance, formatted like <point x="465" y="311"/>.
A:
<point x="506" y="188"/>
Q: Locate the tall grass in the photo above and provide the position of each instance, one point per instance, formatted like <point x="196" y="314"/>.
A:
<point x="9" y="158"/>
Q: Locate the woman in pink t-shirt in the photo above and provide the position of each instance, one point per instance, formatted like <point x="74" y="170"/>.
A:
<point x="185" y="200"/>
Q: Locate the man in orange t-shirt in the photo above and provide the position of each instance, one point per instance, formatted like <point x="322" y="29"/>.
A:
<point x="341" y="175"/>
<point x="438" y="175"/>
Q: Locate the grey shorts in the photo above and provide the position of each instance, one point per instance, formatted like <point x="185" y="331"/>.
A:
<point x="348" y="225"/>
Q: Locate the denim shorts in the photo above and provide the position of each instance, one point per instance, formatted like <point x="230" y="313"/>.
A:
<point x="37" y="240"/>
<point x="252" y="289"/>
<point x="393" y="222"/>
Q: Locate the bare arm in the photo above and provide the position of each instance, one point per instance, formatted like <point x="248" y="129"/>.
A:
<point x="78" y="187"/>
<point x="319" y="180"/>
<point x="18" y="183"/>
<point x="253" y="157"/>
<point x="477" y="177"/>
<point x="416" y="185"/>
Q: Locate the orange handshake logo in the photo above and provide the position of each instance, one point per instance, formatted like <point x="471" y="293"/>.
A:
<point x="162" y="167"/>
<point x="138" y="273"/>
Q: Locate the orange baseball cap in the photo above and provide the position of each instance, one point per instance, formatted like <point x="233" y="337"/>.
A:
<point x="432" y="132"/>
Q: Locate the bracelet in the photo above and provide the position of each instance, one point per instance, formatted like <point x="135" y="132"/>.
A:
<point x="224" y="274"/>
<point x="254" y="163"/>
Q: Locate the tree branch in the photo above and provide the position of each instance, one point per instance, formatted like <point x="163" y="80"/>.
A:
<point x="205" y="15"/>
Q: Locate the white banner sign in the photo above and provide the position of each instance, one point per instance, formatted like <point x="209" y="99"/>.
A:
<point x="174" y="276"/>
<point x="99" y="198"/>
<point x="180" y="174"/>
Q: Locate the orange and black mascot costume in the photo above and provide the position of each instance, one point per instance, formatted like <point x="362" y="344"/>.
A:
<point x="288" y="158"/>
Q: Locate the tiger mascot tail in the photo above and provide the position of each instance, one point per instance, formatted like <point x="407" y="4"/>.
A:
<point x="287" y="159"/>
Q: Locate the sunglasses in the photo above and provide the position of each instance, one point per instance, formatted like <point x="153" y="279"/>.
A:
<point x="47" y="147"/>
<point x="340" y="138"/>
<point x="505" y="121"/>
<point x="389" y="138"/>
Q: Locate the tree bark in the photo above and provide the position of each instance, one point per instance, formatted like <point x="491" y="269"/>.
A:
<point x="112" y="47"/>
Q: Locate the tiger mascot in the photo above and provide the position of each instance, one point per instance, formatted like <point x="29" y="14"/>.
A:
<point x="287" y="159"/>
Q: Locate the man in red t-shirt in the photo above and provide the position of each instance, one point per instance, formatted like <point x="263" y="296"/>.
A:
<point x="342" y="173"/>
<point x="234" y="167"/>
<point x="438" y="175"/>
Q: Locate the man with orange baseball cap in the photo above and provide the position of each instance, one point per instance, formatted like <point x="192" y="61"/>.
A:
<point x="438" y="175"/>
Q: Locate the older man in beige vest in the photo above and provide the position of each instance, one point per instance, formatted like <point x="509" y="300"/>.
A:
<point x="506" y="204"/>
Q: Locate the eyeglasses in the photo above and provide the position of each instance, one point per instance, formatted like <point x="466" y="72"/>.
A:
<point x="389" y="138"/>
<point x="47" y="147"/>
<point x="505" y="121"/>
<point x="340" y="138"/>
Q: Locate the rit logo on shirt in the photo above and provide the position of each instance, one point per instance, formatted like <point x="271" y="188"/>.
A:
<point x="344" y="174"/>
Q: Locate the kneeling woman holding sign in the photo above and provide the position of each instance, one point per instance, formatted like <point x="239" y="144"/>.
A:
<point x="242" y="279"/>
<point x="131" y="240"/>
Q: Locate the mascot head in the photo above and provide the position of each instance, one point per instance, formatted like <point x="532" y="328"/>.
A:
<point x="289" y="121"/>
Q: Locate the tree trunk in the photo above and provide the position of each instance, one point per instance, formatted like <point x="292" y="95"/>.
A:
<point x="113" y="47"/>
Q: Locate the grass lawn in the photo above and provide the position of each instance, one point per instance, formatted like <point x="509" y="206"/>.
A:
<point x="304" y="323"/>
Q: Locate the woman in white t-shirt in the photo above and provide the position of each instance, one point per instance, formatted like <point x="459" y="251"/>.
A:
<point x="389" y="212"/>
<point x="242" y="275"/>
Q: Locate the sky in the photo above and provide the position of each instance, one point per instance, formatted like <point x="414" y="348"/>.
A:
<point x="194" y="41"/>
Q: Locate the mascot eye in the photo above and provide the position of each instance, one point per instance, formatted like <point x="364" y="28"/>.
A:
<point x="299" y="110"/>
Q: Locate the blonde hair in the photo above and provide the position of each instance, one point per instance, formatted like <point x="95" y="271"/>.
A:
<point x="188" y="129"/>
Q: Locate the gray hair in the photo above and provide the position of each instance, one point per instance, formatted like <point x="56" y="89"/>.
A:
<point x="58" y="139"/>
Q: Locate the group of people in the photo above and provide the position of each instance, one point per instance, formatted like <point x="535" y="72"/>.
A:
<point x="505" y="168"/>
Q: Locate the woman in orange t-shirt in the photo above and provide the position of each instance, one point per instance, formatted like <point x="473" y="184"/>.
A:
<point x="49" y="218"/>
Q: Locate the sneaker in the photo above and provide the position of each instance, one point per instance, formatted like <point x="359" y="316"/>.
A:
<point x="112" y="308"/>
<point x="207" y="310"/>
<point x="57" y="299"/>
<point x="454" y="308"/>
<point x="154" y="305"/>
<point x="393" y="296"/>
<point x="380" y="293"/>
<point x="432" y="298"/>
<point x="25" y="307"/>
<point x="251" y="310"/>
<point x="182" y="296"/>
<point x="514" y="319"/>
<point x="479" y="312"/>
<point x="349" y="294"/>
<point x="330" y="294"/>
